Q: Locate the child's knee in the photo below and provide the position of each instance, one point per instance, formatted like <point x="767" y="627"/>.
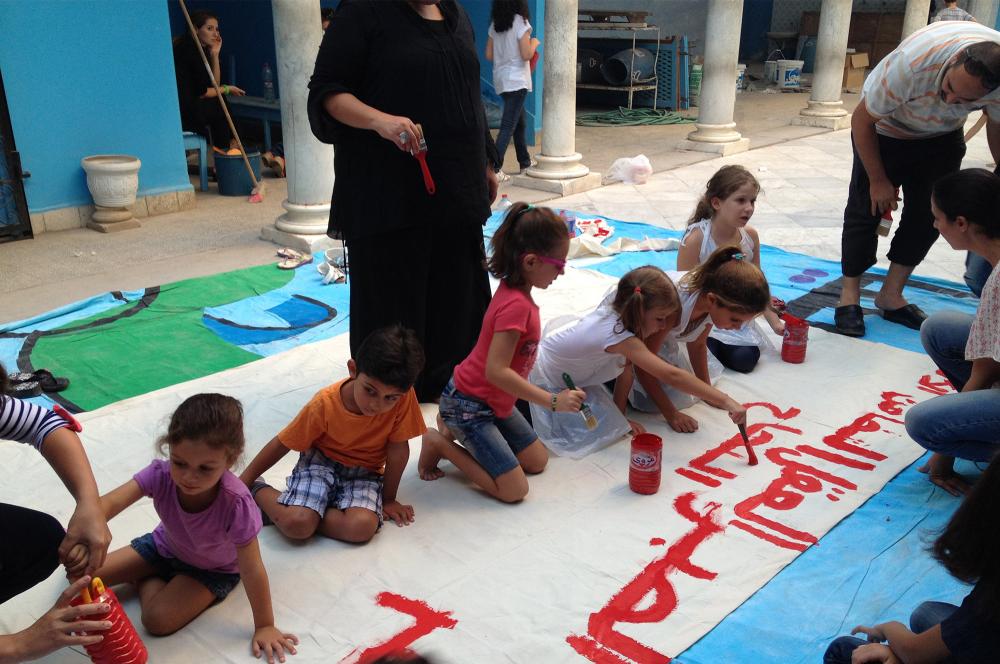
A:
<point x="512" y="486"/>
<point x="159" y="622"/>
<point x="299" y="523"/>
<point x="534" y="458"/>
<point x="535" y="465"/>
<point x="360" y="526"/>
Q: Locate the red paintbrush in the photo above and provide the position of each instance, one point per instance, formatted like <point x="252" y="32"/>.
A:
<point x="746" y="443"/>
<point x="421" y="156"/>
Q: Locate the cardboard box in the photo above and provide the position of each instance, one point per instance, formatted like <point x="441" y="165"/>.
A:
<point x="854" y="71"/>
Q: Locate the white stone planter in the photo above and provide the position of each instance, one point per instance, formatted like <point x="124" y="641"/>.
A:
<point x="113" y="180"/>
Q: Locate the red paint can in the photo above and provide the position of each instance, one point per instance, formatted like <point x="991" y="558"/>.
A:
<point x="644" y="466"/>
<point x="121" y="643"/>
<point x="793" y="348"/>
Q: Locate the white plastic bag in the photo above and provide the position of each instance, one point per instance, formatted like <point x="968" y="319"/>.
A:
<point x="631" y="170"/>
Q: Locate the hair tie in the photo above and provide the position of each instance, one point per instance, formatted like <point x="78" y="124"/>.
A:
<point x="738" y="256"/>
<point x="637" y="291"/>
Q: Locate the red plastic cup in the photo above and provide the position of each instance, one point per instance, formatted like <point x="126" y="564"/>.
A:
<point x="644" y="466"/>
<point x="793" y="347"/>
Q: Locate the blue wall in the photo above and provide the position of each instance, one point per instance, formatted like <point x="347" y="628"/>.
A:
<point x="89" y="77"/>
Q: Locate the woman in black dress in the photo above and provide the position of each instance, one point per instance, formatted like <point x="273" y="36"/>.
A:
<point x="199" y="107"/>
<point x="415" y="258"/>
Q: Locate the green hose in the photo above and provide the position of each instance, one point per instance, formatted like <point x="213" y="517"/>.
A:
<point x="624" y="117"/>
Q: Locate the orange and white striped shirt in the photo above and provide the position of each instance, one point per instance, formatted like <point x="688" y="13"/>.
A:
<point x="904" y="90"/>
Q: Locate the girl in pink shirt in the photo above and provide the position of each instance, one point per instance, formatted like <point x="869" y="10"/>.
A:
<point x="207" y="537"/>
<point x="497" y="446"/>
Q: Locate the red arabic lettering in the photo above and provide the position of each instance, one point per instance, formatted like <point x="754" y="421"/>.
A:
<point x="928" y="384"/>
<point x="892" y="402"/>
<point x="779" y="495"/>
<point x="838" y="439"/>
<point x="427" y="620"/>
<point x="758" y="434"/>
<point x="602" y="644"/>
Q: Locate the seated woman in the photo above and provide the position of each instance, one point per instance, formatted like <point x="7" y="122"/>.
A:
<point x="965" y="348"/>
<point x="195" y="92"/>
<point x="969" y="548"/>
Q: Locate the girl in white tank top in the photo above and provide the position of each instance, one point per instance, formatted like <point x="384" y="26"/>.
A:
<point x="720" y="219"/>
<point x="602" y="346"/>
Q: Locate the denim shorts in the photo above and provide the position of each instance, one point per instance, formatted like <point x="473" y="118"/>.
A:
<point x="319" y="483"/>
<point x="219" y="584"/>
<point x="492" y="441"/>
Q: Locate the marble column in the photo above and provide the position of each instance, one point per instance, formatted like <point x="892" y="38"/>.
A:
<point x="716" y="131"/>
<point x="915" y="16"/>
<point x="308" y="163"/>
<point x="559" y="166"/>
<point x="825" y="109"/>
<point x="985" y="11"/>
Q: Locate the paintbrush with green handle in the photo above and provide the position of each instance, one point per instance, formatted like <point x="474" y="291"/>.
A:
<point x="588" y="415"/>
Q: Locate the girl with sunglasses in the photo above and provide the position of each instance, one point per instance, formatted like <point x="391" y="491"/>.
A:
<point x="497" y="448"/>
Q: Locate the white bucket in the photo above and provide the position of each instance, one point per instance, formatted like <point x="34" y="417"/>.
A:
<point x="789" y="72"/>
<point x="741" y="73"/>
<point x="771" y="71"/>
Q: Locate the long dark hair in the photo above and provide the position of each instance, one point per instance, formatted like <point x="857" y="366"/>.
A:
<point x="738" y="284"/>
<point x="199" y="17"/>
<point x="969" y="547"/>
<point x="973" y="193"/>
<point x="525" y="230"/>
<point x="504" y="12"/>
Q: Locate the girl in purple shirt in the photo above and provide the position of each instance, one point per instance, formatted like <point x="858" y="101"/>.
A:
<point x="207" y="537"/>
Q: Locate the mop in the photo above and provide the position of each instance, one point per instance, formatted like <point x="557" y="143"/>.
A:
<point x="257" y="193"/>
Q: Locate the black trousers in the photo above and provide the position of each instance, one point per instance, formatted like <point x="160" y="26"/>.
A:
<point x="29" y="549"/>
<point x="430" y="279"/>
<point x="914" y="166"/>
<point x="208" y="113"/>
<point x="738" y="358"/>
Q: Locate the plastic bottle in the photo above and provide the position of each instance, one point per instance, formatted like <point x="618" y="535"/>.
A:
<point x="267" y="75"/>
<point x="570" y="222"/>
<point x="644" y="466"/>
<point x="504" y="202"/>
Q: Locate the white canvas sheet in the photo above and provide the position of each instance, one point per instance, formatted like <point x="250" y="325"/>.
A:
<point x="583" y="568"/>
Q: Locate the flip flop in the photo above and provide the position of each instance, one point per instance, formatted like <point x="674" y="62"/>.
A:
<point x="44" y="377"/>
<point x="292" y="263"/>
<point x="288" y="252"/>
<point x="910" y="316"/>
<point x="25" y="389"/>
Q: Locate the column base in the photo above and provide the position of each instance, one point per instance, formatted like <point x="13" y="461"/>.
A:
<point x="558" y="168"/>
<point x="313" y="244"/>
<point x="722" y="149"/>
<point x="835" y="122"/>
<point x="563" y="187"/>
<point x="303" y="219"/>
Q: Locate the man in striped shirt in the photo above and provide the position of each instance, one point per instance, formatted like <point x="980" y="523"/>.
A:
<point x="907" y="133"/>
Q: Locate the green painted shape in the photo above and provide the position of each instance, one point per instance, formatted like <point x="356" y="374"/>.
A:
<point x="161" y="345"/>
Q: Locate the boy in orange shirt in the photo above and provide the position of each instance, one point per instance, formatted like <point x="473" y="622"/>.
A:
<point x="347" y="435"/>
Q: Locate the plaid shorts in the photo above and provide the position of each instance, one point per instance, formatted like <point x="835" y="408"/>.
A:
<point x="319" y="483"/>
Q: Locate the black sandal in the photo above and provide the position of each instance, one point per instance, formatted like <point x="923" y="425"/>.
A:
<point x="43" y="377"/>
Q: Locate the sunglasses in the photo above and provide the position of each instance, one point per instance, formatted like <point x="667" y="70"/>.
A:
<point x="551" y="261"/>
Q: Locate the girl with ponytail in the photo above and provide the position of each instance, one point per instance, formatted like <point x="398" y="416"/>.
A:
<point x="496" y="446"/>
<point x="602" y="346"/>
<point x="725" y="292"/>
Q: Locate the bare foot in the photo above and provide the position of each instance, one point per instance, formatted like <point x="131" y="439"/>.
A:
<point x="889" y="302"/>
<point x="427" y="465"/>
<point x="940" y="471"/>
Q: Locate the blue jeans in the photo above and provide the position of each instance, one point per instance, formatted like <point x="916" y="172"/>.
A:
<point x="964" y="425"/>
<point x="494" y="442"/>
<point x="926" y="616"/>
<point x="512" y="124"/>
<point x="977" y="271"/>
